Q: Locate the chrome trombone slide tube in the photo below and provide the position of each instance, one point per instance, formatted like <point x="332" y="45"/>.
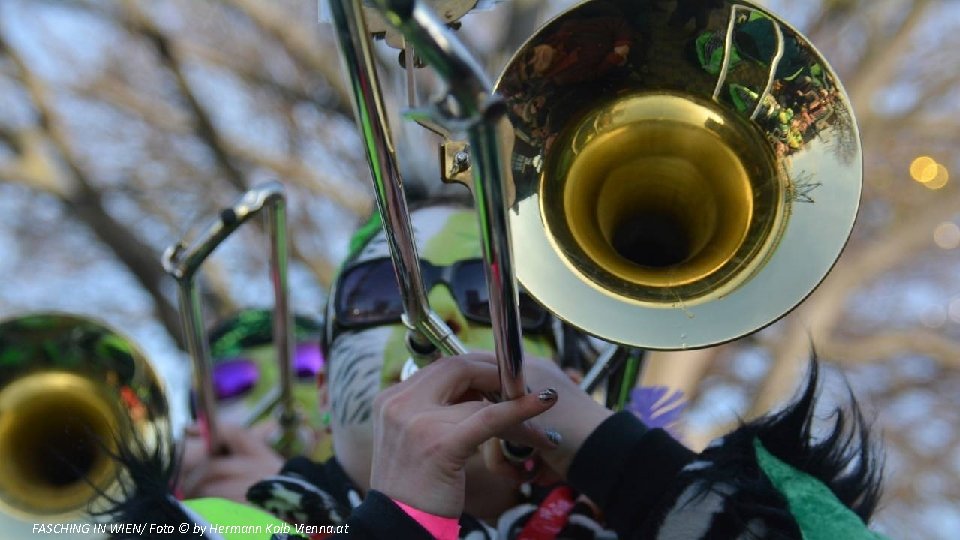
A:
<point x="183" y="261"/>
<point x="428" y="332"/>
<point x="479" y="114"/>
<point x="275" y="214"/>
<point x="650" y="195"/>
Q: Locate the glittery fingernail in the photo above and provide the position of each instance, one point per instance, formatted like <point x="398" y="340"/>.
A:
<point x="553" y="437"/>
<point x="547" y="395"/>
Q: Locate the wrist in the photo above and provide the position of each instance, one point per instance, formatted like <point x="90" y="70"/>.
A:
<point x="573" y="436"/>
<point x="421" y="488"/>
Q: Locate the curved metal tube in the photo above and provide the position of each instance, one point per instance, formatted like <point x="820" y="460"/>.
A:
<point x="183" y="261"/>
<point x="427" y="329"/>
<point x="479" y="114"/>
<point x="654" y="145"/>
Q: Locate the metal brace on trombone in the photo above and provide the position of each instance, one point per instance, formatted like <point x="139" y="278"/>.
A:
<point x="183" y="261"/>
<point x="473" y="109"/>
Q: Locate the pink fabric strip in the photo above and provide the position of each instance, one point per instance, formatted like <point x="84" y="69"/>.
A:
<point x="442" y="528"/>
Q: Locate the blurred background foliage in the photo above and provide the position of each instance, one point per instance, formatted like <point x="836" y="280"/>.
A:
<point x="125" y="125"/>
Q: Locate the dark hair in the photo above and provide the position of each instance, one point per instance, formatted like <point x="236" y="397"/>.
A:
<point x="145" y="496"/>
<point x="847" y="461"/>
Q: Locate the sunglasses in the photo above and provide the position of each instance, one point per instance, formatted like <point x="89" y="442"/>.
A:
<point x="367" y="294"/>
<point x="236" y="376"/>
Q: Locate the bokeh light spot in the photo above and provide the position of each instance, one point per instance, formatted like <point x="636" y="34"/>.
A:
<point x="947" y="235"/>
<point x="939" y="179"/>
<point x="921" y="167"/>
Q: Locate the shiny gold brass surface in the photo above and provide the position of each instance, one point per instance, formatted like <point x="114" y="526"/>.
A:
<point x="666" y="197"/>
<point x="70" y="390"/>
<point x="685" y="172"/>
<point x="51" y="441"/>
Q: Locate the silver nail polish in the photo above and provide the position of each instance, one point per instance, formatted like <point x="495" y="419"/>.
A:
<point x="554" y="437"/>
<point x="547" y="395"/>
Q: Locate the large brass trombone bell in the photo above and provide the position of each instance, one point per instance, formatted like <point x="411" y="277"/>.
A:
<point x="690" y="173"/>
<point x="674" y="174"/>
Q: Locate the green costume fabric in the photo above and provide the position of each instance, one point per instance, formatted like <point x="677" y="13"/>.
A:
<point x="363" y="235"/>
<point x="820" y="515"/>
<point x="235" y="521"/>
<point x="254" y="327"/>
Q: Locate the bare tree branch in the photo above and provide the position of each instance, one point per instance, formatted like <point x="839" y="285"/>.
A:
<point x="85" y="202"/>
<point x="158" y="115"/>
<point x="138" y="23"/>
<point x="258" y="78"/>
<point x="878" y="64"/>
<point x="121" y="96"/>
<point x="820" y="315"/>
<point x="890" y="345"/>
<point x="300" y="45"/>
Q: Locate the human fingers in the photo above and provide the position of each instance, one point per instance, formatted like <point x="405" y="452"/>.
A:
<point x="191" y="475"/>
<point x="498" y="418"/>
<point x="234" y="439"/>
<point x="197" y="465"/>
<point x="193" y="456"/>
<point x="247" y="446"/>
<point x="194" y="449"/>
<point x="524" y="433"/>
<point x="497" y="463"/>
<point x="227" y="478"/>
<point x="253" y="442"/>
<point x="575" y="417"/>
<point x="456" y="377"/>
<point x="451" y="379"/>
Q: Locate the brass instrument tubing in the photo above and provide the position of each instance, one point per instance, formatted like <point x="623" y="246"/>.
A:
<point x="727" y="48"/>
<point x="183" y="262"/>
<point x="425" y="326"/>
<point x="479" y="114"/>
<point x="289" y="418"/>
<point x="772" y="76"/>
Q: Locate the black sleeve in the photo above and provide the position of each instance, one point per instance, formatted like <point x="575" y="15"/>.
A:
<point x="377" y="517"/>
<point x="626" y="468"/>
<point x="380" y="518"/>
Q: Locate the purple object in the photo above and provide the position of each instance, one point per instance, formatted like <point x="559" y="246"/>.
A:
<point x="307" y="360"/>
<point x="657" y="406"/>
<point x="236" y="376"/>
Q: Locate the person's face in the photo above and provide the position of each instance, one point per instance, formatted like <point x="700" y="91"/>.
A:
<point x="363" y="362"/>
<point x="367" y="360"/>
<point x="247" y="381"/>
